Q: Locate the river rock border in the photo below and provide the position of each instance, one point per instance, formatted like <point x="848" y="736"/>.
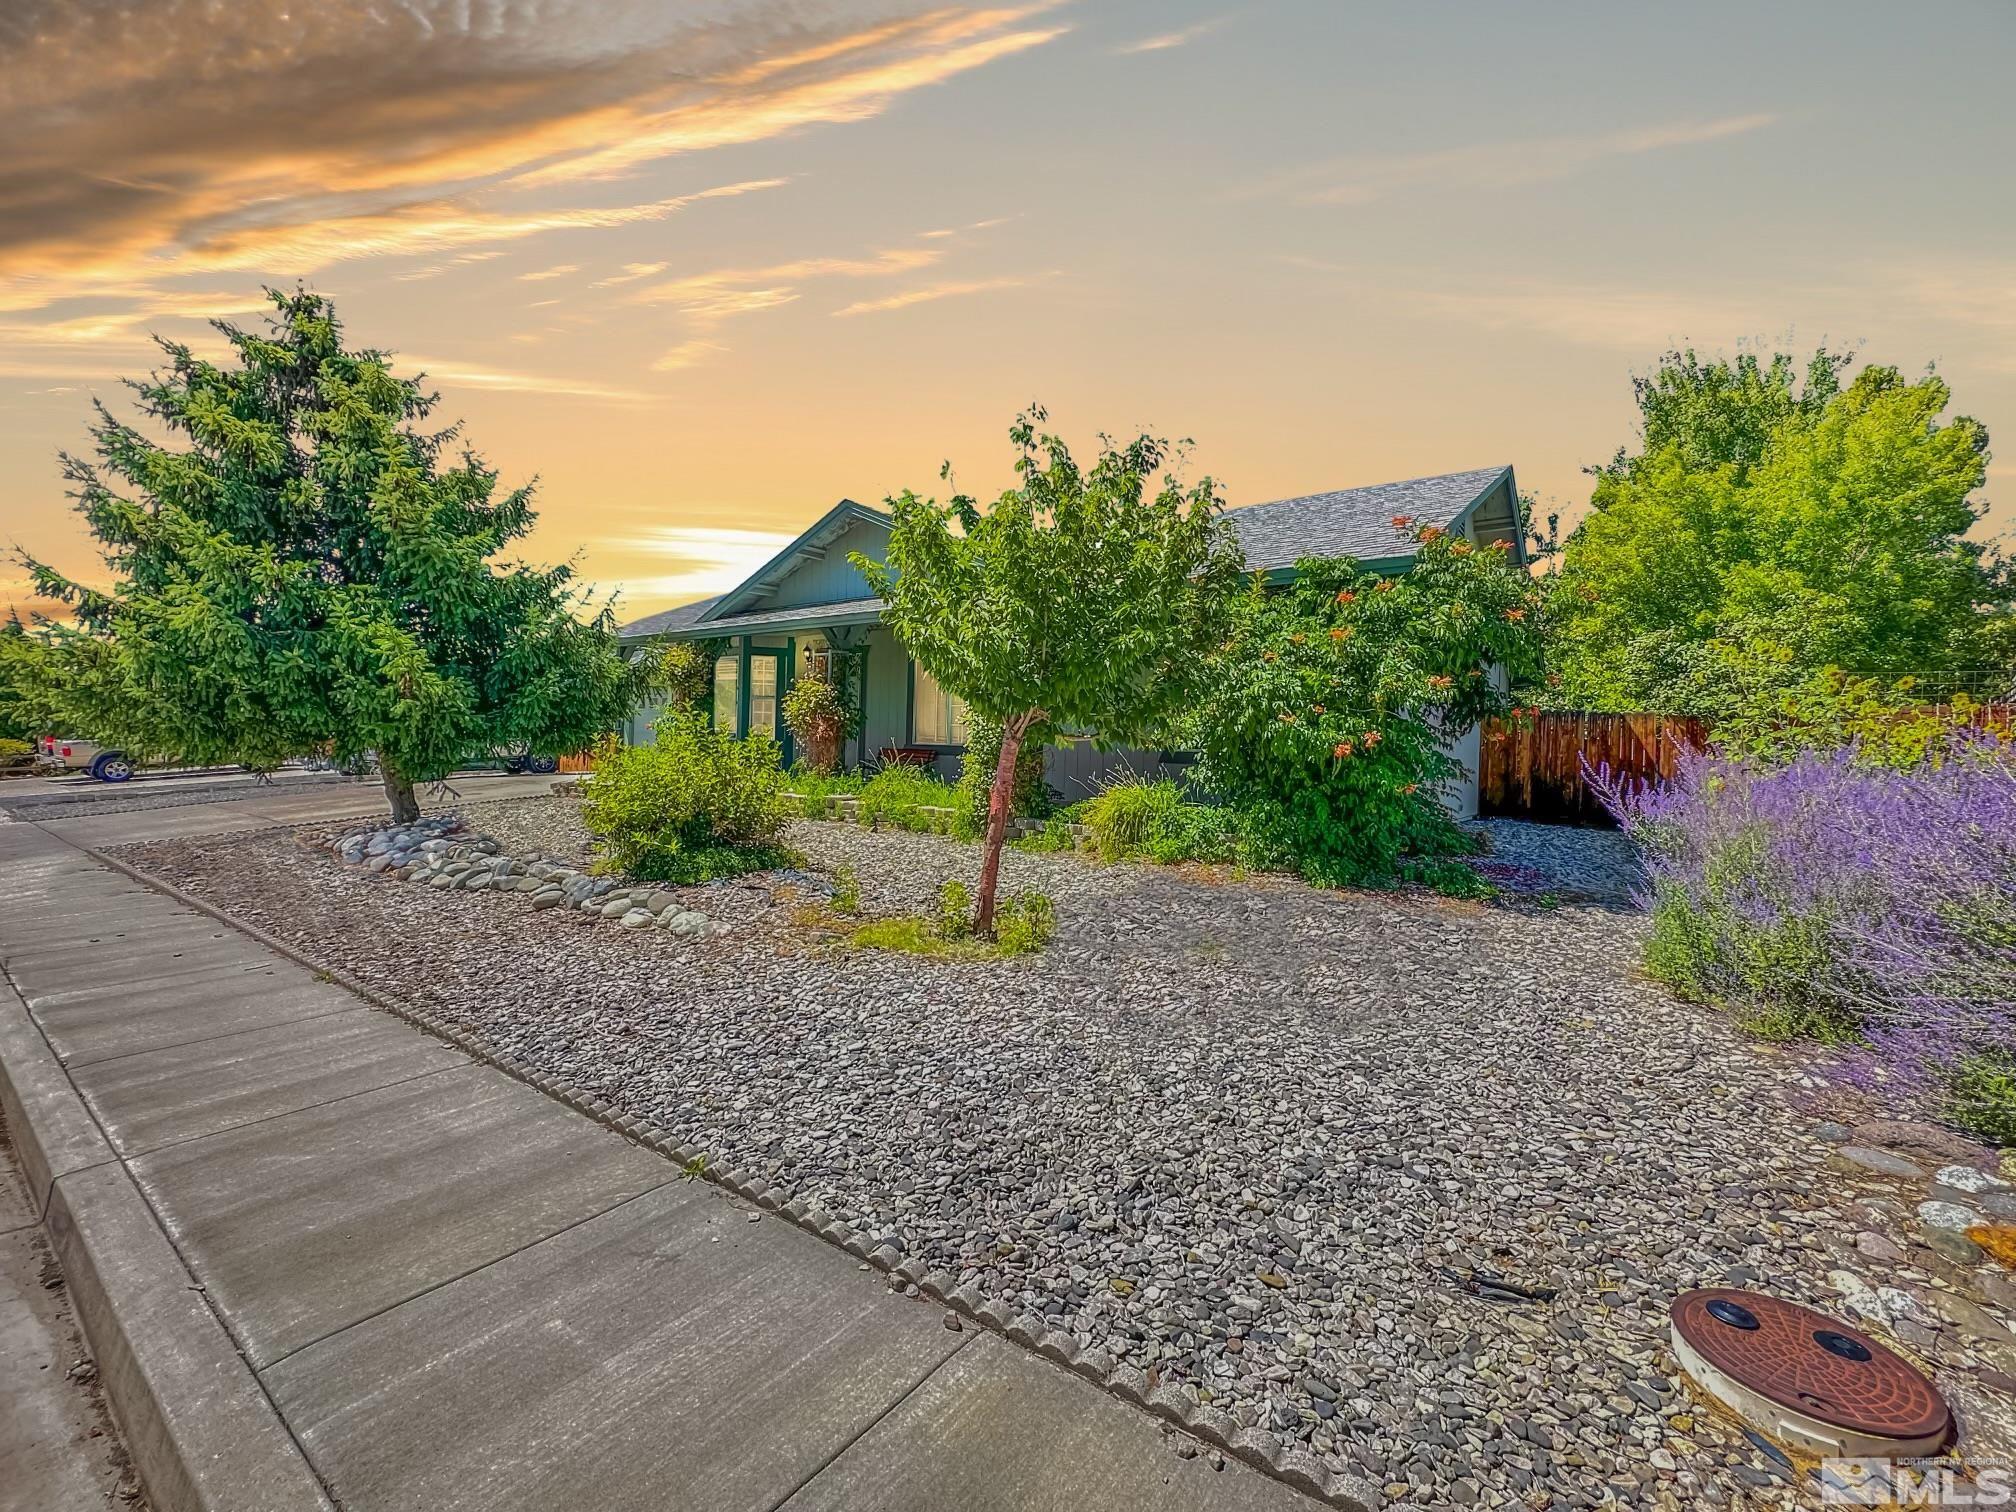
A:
<point x="1257" y="1447"/>
<point x="442" y="853"/>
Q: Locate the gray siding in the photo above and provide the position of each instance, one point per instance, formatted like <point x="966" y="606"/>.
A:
<point x="1079" y="769"/>
<point x="833" y="579"/>
<point x="885" y="711"/>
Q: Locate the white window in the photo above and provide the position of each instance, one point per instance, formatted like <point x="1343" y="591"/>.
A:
<point x="763" y="696"/>
<point x="937" y="717"/>
<point x="728" y="694"/>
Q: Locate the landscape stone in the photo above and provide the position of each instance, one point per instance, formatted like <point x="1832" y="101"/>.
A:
<point x="1881" y="1161"/>
<point x="1969" y="1179"/>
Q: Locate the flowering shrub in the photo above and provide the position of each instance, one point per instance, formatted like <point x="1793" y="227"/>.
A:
<point x="821" y="718"/>
<point x="1833" y="898"/>
<point x="1327" y="712"/>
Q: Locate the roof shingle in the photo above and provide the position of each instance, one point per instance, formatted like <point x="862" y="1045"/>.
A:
<point x="1353" y="522"/>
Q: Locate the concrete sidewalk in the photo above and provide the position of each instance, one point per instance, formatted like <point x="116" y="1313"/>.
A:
<point x="323" y="1256"/>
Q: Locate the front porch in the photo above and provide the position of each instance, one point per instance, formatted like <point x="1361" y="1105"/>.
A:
<point x="899" y="704"/>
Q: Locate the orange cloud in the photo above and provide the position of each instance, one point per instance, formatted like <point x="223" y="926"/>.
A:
<point x="709" y="300"/>
<point x="929" y="293"/>
<point x="147" y="141"/>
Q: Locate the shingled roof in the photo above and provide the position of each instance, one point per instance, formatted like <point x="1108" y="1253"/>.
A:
<point x="1354" y="522"/>
<point x="669" y="619"/>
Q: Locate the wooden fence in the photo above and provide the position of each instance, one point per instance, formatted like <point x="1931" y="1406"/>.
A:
<point x="1531" y="766"/>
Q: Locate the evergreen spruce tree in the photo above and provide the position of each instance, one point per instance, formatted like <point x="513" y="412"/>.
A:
<point x="310" y="570"/>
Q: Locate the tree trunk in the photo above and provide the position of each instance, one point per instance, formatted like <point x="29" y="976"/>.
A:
<point x="1000" y="802"/>
<point x="399" y="794"/>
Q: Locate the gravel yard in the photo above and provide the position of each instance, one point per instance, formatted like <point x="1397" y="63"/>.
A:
<point x="1247" y="1135"/>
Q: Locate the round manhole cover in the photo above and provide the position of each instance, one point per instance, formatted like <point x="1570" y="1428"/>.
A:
<point x="1809" y="1365"/>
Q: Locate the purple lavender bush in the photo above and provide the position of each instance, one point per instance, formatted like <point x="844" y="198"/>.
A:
<point x="1870" y="908"/>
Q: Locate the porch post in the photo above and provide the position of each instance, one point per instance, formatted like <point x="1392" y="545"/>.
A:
<point x="861" y="735"/>
<point x="787" y="673"/>
<point x="742" y="691"/>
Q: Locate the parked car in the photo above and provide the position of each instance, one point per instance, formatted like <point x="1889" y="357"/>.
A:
<point x="514" y="761"/>
<point x="88" y="756"/>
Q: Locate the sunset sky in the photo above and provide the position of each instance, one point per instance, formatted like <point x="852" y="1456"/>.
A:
<point x="706" y="267"/>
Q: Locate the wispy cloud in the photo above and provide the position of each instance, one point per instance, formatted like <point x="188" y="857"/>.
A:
<point x="710" y="300"/>
<point x="410" y="127"/>
<point x="435" y="270"/>
<point x="689" y="353"/>
<point x="129" y="327"/>
<point x="1962" y="306"/>
<point x="709" y="560"/>
<point x="930" y="292"/>
<point x="559" y="270"/>
<point x="1623" y="318"/>
<point x="979" y="225"/>
<point x="1163" y="41"/>
<point x="630" y="274"/>
<point x="449" y="372"/>
<point x="1362" y="179"/>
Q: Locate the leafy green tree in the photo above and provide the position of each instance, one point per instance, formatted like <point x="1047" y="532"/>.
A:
<point x="1082" y="599"/>
<point x="1329" y="709"/>
<point x="1717" y="413"/>
<point x="311" y="571"/>
<point x="1707" y="580"/>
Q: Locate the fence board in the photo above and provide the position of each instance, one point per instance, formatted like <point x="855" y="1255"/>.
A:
<point x="1531" y="765"/>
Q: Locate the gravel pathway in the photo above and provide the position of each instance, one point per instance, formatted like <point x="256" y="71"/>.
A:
<point x="1249" y="1136"/>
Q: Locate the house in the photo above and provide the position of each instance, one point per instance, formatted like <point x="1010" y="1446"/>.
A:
<point x="808" y="610"/>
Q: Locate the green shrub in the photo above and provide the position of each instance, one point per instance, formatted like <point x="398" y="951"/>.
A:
<point x="955" y="910"/>
<point x="1126" y="816"/>
<point x="1055" y="836"/>
<point x="1713" y="944"/>
<point x="802" y="779"/>
<point x="896" y="795"/>
<point x="816" y="787"/>
<point x="1024" y="924"/>
<point x="1030" y="798"/>
<point x="10" y="749"/>
<point x="1154" y="821"/>
<point x="909" y="934"/>
<point x="846" y="891"/>
<point x="1981" y="1097"/>
<point x="1763" y="704"/>
<point x="693" y="806"/>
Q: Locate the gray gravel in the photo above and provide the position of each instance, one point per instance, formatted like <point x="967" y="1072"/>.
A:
<point x="1592" y="864"/>
<point x="1249" y="1136"/>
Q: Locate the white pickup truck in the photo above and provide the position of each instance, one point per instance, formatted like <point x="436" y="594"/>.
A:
<point x="87" y="756"/>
